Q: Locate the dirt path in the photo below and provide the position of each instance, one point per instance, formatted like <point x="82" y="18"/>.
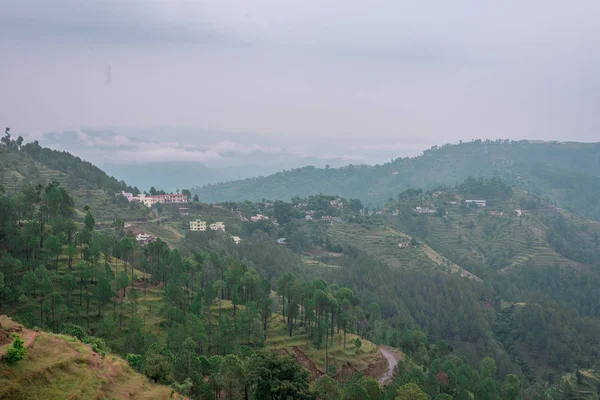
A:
<point x="392" y="358"/>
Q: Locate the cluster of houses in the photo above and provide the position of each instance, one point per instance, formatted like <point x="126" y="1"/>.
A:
<point x="149" y="201"/>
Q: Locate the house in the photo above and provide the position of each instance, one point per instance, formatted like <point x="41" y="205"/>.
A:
<point x="143" y="239"/>
<point x="519" y="212"/>
<point x="183" y="211"/>
<point x="424" y="210"/>
<point x="259" y="217"/>
<point x="128" y="196"/>
<point x="480" y="203"/>
<point x="236" y="239"/>
<point x="452" y="202"/>
<point x="395" y="213"/>
<point x="496" y="214"/>
<point x="217" y="226"/>
<point x="337" y="203"/>
<point x="197" y="226"/>
<point x="326" y="218"/>
<point x="404" y="245"/>
<point x="308" y="217"/>
<point x="282" y="241"/>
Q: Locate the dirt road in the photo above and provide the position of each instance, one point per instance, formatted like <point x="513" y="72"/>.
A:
<point x="392" y="359"/>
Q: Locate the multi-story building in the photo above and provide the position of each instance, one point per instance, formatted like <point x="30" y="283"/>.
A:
<point x="197" y="226"/>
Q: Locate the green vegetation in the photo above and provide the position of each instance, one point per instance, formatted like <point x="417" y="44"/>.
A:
<point x="566" y="173"/>
<point x="481" y="305"/>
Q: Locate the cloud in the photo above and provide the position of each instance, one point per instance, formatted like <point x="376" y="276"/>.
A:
<point x="381" y="72"/>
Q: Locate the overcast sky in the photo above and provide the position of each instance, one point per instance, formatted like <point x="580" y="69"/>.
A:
<point x="373" y="73"/>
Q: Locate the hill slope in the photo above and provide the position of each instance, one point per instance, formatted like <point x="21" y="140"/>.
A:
<point x="59" y="366"/>
<point x="568" y="173"/>
<point x="88" y="184"/>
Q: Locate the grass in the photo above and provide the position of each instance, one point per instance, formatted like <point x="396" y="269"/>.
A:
<point x="346" y="360"/>
<point x="61" y="367"/>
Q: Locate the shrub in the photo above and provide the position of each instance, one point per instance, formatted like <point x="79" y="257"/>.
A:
<point x="16" y="352"/>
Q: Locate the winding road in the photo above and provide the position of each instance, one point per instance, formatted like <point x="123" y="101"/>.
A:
<point x="392" y="359"/>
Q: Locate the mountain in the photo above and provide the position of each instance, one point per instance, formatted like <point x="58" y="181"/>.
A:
<point x="150" y="157"/>
<point x="566" y="173"/>
<point x="479" y="300"/>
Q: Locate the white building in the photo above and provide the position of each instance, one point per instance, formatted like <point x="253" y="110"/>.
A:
<point x="217" y="226"/>
<point x="197" y="226"/>
<point x="480" y="203"/>
<point x="236" y="239"/>
<point x="424" y="210"/>
<point x="143" y="239"/>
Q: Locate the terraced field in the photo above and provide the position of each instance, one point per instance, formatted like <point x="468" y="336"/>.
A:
<point x="503" y="242"/>
<point x="382" y="242"/>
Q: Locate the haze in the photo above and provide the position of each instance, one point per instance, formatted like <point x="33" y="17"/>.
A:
<point x="357" y="81"/>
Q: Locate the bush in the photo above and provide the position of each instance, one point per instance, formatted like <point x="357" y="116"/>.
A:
<point x="16" y="352"/>
<point x="134" y="360"/>
<point x="73" y="330"/>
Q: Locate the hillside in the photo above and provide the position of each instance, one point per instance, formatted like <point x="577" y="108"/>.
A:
<point x="32" y="164"/>
<point x="567" y="173"/>
<point x="60" y="366"/>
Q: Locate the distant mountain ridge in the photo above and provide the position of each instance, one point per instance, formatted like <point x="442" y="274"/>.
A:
<point x="567" y="173"/>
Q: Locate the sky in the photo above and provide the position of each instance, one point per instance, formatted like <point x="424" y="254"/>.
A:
<point x="354" y="80"/>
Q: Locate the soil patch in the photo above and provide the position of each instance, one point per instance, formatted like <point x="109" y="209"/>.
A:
<point x="307" y="363"/>
<point x="4" y="337"/>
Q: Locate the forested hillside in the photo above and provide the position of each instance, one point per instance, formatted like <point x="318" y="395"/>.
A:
<point x="566" y="173"/>
<point x="483" y="302"/>
<point x="33" y="165"/>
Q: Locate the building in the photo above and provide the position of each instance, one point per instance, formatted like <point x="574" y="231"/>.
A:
<point x="480" y="203"/>
<point x="217" y="226"/>
<point x="184" y="211"/>
<point x="337" y="203"/>
<point x="452" y="202"/>
<point x="236" y="239"/>
<point x="519" y="212"/>
<point x="143" y="239"/>
<point x="282" y="241"/>
<point x="128" y="196"/>
<point x="424" y="210"/>
<point x="197" y="226"/>
<point x="149" y="201"/>
<point x="326" y="218"/>
<point x="404" y="245"/>
<point x="259" y="217"/>
<point x="308" y="217"/>
<point x="496" y="214"/>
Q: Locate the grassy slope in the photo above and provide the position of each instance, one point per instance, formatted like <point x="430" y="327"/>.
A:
<point x="346" y="360"/>
<point x="59" y="367"/>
